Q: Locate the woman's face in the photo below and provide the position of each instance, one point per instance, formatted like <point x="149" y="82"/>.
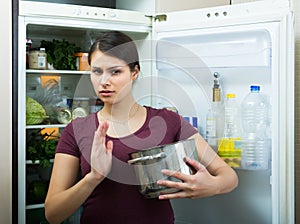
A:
<point x="111" y="77"/>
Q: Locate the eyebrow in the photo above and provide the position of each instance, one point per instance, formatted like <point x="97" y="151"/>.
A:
<point x="117" y="66"/>
<point x="110" y="68"/>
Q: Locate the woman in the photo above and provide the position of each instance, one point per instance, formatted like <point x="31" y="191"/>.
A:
<point x="98" y="147"/>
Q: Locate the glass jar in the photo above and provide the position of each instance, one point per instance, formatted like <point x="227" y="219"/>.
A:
<point x="80" y="107"/>
<point x="38" y="59"/>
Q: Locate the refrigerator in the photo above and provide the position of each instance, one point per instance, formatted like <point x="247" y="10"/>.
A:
<point x="250" y="43"/>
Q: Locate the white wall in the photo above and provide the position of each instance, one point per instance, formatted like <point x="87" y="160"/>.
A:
<point x="296" y="9"/>
<point x="6" y="111"/>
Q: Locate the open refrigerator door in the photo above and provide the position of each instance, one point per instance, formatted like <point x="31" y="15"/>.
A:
<point x="243" y="44"/>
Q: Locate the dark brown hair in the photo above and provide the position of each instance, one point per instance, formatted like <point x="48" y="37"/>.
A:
<point x="116" y="44"/>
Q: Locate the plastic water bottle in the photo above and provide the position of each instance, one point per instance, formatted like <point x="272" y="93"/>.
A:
<point x="255" y="109"/>
<point x="232" y="128"/>
<point x="215" y="124"/>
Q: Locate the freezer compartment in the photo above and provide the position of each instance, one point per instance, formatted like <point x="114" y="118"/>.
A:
<point x="225" y="49"/>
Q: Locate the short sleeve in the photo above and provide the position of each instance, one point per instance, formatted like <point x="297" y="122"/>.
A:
<point x="178" y="125"/>
<point x="186" y="129"/>
<point x="67" y="143"/>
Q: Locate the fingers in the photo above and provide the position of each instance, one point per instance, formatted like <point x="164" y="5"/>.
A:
<point x="173" y="184"/>
<point x="180" y="194"/>
<point x="109" y="146"/>
<point x="102" y="128"/>
<point x="173" y="173"/>
<point x="188" y="182"/>
<point x="100" y="137"/>
<point x="100" y="133"/>
<point x="193" y="164"/>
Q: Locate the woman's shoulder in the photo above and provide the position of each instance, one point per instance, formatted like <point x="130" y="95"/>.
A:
<point x="91" y="118"/>
<point x="161" y="112"/>
<point x="82" y="123"/>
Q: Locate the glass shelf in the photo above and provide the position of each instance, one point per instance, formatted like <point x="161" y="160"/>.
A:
<point x="35" y="206"/>
<point x="46" y="126"/>
<point x="55" y="72"/>
<point x="36" y="162"/>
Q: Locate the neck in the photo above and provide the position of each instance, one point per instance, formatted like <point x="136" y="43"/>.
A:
<point x="119" y="112"/>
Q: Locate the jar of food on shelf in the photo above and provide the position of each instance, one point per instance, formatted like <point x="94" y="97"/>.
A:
<point x="37" y="59"/>
<point x="82" y="61"/>
<point x="28" y="49"/>
<point x="80" y="107"/>
<point x="64" y="114"/>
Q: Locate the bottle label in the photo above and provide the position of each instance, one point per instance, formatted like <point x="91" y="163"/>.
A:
<point x="192" y="120"/>
<point x="211" y="127"/>
<point x="41" y="61"/>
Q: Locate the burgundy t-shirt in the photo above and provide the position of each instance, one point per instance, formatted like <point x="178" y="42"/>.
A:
<point x="117" y="199"/>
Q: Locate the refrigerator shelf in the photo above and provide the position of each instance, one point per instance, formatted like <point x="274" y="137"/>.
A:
<point x="46" y="126"/>
<point x="34" y="206"/>
<point x="29" y="162"/>
<point x="56" y="72"/>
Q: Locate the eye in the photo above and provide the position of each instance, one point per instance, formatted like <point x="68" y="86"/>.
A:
<point x="97" y="71"/>
<point x="115" y="71"/>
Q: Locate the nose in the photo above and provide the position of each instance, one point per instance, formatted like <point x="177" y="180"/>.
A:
<point x="105" y="79"/>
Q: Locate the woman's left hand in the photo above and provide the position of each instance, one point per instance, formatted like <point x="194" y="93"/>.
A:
<point x="198" y="185"/>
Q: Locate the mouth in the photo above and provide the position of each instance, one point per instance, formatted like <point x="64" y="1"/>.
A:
<point x="106" y="93"/>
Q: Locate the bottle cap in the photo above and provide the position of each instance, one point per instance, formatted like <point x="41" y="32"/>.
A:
<point x="230" y="95"/>
<point x="255" y="88"/>
<point x="216" y="95"/>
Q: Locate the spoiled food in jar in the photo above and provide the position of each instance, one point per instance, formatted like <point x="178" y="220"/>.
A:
<point x="80" y="107"/>
<point x="79" y="112"/>
<point x="64" y="115"/>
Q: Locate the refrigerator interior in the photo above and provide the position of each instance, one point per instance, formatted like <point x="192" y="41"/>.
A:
<point x="71" y="84"/>
<point x="242" y="55"/>
<point x="78" y="85"/>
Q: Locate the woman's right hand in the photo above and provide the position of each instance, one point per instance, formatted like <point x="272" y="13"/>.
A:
<point x="101" y="155"/>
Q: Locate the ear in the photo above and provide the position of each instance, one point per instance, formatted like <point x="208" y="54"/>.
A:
<point x="135" y="73"/>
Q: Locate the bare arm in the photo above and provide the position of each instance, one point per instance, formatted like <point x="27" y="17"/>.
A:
<point x="65" y="196"/>
<point x="213" y="175"/>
